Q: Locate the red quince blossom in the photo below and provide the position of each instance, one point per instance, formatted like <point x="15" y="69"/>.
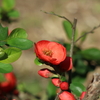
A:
<point x="66" y="65"/>
<point x="51" y="52"/>
<point x="10" y="83"/>
<point x="66" y="96"/>
<point x="46" y="73"/>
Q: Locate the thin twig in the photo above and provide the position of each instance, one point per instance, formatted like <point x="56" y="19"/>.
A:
<point x="52" y="13"/>
<point x="71" y="49"/>
<point x="73" y="36"/>
<point x="87" y="33"/>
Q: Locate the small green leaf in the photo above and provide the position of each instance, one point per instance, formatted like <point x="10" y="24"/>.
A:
<point x="18" y="33"/>
<point x="84" y="37"/>
<point x="91" y="54"/>
<point x="37" y="61"/>
<point x="20" y="43"/>
<point x="68" y="29"/>
<point x="3" y="32"/>
<point x="8" y="5"/>
<point x="77" y="88"/>
<point x="13" y="14"/>
<point x="13" y="54"/>
<point x="5" y="68"/>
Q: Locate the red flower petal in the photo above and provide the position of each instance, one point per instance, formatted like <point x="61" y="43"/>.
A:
<point x="66" y="65"/>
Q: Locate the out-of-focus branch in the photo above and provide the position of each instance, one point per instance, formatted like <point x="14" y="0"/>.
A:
<point x="52" y="13"/>
<point x="91" y="31"/>
<point x="93" y="90"/>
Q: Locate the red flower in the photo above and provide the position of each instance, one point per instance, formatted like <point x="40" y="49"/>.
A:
<point x="51" y="52"/>
<point x="66" y="65"/>
<point x="10" y="83"/>
<point x="66" y="96"/>
<point x="46" y="73"/>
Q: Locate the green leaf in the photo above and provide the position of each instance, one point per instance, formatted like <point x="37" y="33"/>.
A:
<point x="68" y="29"/>
<point x="13" y="54"/>
<point x="37" y="61"/>
<point x="2" y="43"/>
<point x="3" y="32"/>
<point x="84" y="37"/>
<point x="77" y="88"/>
<point x="5" y="68"/>
<point x="91" y="54"/>
<point x="8" y="5"/>
<point x="13" y="14"/>
<point x="80" y="67"/>
<point x="79" y="79"/>
<point x="2" y="77"/>
<point x="18" y="33"/>
<point x="20" y="43"/>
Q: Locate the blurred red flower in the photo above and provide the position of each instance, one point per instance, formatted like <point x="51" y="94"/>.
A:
<point x="66" y="65"/>
<point x="51" y="52"/>
<point x="10" y="83"/>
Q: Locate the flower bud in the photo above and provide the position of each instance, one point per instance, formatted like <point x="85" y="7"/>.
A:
<point x="64" y="86"/>
<point x="56" y="81"/>
<point x="82" y="95"/>
<point x="46" y="73"/>
<point x="66" y="96"/>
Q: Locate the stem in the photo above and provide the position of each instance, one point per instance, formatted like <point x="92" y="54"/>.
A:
<point x="71" y="49"/>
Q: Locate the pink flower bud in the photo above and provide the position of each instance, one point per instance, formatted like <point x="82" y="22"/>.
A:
<point x="64" y="86"/>
<point x="46" y="73"/>
<point x="56" y="81"/>
<point x="51" y="52"/>
<point x="66" y="96"/>
<point x="82" y="95"/>
<point x="66" y="65"/>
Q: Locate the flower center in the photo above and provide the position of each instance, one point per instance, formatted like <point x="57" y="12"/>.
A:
<point x="47" y="52"/>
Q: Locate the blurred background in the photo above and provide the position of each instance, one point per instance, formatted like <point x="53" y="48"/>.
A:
<point x="41" y="26"/>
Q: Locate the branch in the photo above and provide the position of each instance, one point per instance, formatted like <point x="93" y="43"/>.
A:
<point x="87" y="33"/>
<point x="93" y="90"/>
<point x="52" y="13"/>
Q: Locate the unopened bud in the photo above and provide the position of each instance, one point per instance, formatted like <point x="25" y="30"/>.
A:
<point x="46" y="73"/>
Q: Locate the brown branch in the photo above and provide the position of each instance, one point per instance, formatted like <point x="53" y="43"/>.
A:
<point x="93" y="90"/>
<point x="52" y="13"/>
<point x="87" y="33"/>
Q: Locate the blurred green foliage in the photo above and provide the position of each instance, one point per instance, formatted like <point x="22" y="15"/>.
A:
<point x="7" y="10"/>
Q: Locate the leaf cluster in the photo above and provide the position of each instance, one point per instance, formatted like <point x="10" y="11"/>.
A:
<point x="11" y="47"/>
<point x="84" y="61"/>
<point x="7" y="10"/>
